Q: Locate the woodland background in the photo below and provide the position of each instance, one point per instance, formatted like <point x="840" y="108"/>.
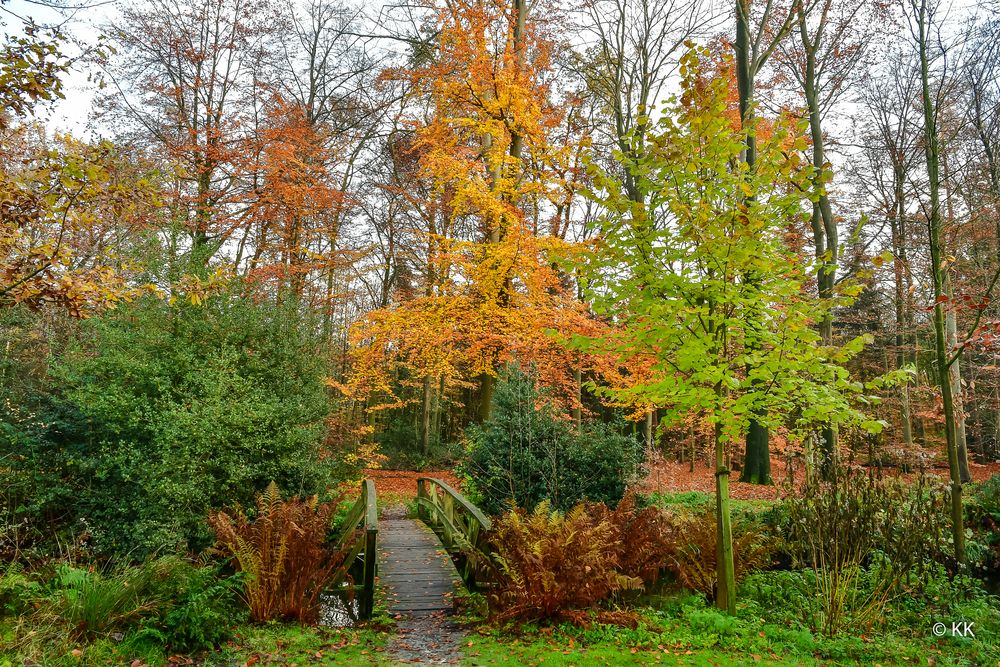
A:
<point x="548" y="245"/>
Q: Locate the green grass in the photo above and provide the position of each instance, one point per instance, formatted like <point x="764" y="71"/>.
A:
<point x="277" y="644"/>
<point x="699" y="501"/>
<point x="502" y="651"/>
<point x="287" y="644"/>
<point x="681" y="630"/>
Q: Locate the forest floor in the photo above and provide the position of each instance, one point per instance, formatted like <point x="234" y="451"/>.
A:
<point x="401" y="485"/>
<point x="663" y="476"/>
<point x="667" y="476"/>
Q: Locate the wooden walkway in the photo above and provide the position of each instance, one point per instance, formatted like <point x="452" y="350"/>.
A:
<point x="419" y="580"/>
<point x="417" y="574"/>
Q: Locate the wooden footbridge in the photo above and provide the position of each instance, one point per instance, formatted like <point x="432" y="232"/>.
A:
<point x="418" y="562"/>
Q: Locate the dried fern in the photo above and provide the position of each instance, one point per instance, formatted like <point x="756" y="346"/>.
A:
<point x="553" y="566"/>
<point x="694" y="559"/>
<point x="285" y="553"/>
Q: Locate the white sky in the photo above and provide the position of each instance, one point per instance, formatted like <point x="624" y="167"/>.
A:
<point x="80" y="24"/>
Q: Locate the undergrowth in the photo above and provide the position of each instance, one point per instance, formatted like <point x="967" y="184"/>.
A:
<point x="285" y="554"/>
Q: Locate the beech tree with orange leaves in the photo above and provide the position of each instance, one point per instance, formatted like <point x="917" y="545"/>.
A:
<point x="485" y="149"/>
<point x="289" y="213"/>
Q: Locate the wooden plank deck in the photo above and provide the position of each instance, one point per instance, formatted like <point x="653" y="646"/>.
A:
<point x="416" y="572"/>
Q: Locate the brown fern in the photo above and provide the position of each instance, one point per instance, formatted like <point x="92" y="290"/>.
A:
<point x="555" y="566"/>
<point x="644" y="538"/>
<point x="285" y="554"/>
<point x="694" y="558"/>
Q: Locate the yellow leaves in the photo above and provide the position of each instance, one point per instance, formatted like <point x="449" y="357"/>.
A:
<point x="502" y="294"/>
<point x="60" y="199"/>
<point x="504" y="298"/>
<point x="883" y="258"/>
<point x="196" y="290"/>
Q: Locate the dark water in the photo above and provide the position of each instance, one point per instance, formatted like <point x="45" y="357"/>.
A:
<point x="337" y="611"/>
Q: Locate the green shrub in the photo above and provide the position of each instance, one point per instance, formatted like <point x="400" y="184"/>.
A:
<point x="200" y="606"/>
<point x="713" y="621"/>
<point x="17" y="589"/>
<point x="167" y="602"/>
<point x="164" y="412"/>
<point x="785" y="597"/>
<point x="95" y="603"/>
<point x="184" y="606"/>
<point x="983" y="512"/>
<point x="866" y="540"/>
<point x="525" y="454"/>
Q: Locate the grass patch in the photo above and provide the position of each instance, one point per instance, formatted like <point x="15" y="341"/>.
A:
<point x="683" y="630"/>
<point x="272" y="644"/>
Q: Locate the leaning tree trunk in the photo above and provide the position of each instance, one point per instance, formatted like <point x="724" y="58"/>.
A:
<point x="955" y="378"/>
<point x="938" y="279"/>
<point x="897" y="221"/>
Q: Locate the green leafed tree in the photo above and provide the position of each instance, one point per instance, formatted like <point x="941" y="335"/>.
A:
<point x="670" y="273"/>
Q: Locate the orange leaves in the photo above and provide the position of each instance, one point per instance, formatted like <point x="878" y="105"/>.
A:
<point x="294" y="208"/>
<point x="489" y="89"/>
<point x="490" y="296"/>
<point x="503" y="299"/>
<point x="293" y="164"/>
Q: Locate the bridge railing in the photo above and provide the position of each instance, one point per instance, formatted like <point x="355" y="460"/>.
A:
<point x="461" y="526"/>
<point x="359" y="533"/>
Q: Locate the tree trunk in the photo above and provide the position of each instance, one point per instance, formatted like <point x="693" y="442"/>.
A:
<point x="425" y="423"/>
<point x="578" y="405"/>
<point x="951" y="330"/>
<point x="649" y="431"/>
<point x="757" y="462"/>
<point x="897" y="218"/>
<point x="487" y="383"/>
<point x="824" y="226"/>
<point x="938" y="269"/>
<point x="439" y="409"/>
<point x="955" y="378"/>
<point x="725" y="596"/>
<point x="757" y="439"/>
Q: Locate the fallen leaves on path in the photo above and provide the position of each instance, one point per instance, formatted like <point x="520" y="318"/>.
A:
<point x="403" y="483"/>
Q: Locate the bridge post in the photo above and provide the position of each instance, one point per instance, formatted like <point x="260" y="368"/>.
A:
<point x="457" y="523"/>
<point x="367" y="602"/>
<point x="421" y="494"/>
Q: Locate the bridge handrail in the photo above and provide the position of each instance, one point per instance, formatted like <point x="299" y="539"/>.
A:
<point x="459" y="524"/>
<point x="362" y="544"/>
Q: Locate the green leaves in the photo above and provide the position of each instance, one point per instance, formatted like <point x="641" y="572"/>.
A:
<point x="713" y="305"/>
<point x="172" y="411"/>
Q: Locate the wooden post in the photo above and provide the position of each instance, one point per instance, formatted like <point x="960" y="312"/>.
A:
<point x="367" y="602"/>
<point x="450" y="513"/>
<point x="371" y="558"/>
<point x="421" y="493"/>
